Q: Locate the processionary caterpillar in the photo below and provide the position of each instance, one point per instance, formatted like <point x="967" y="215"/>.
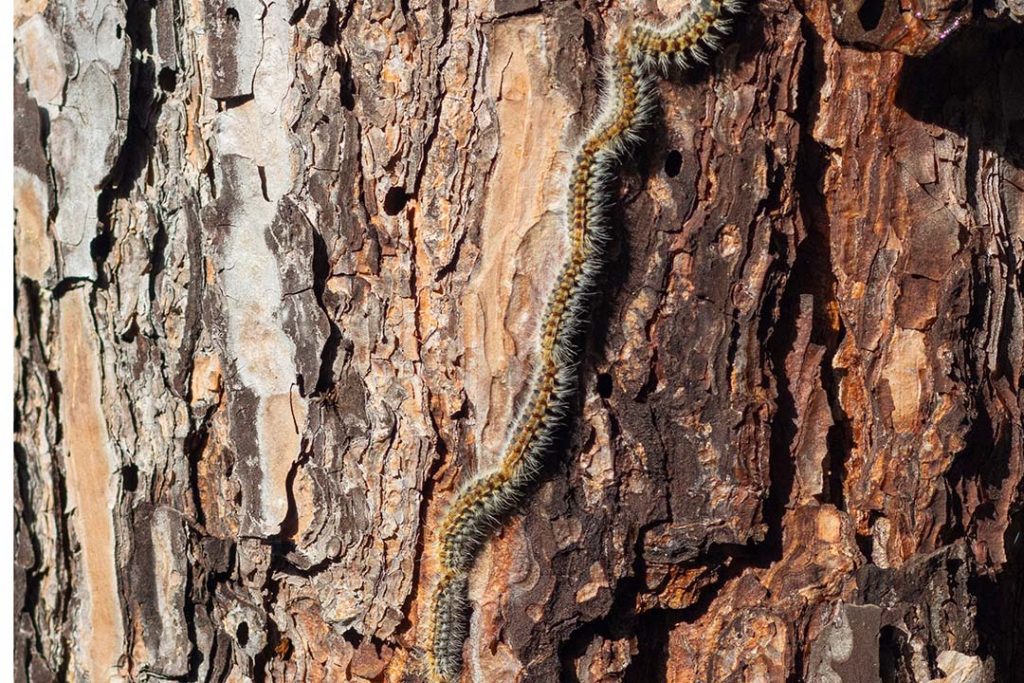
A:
<point x="639" y="55"/>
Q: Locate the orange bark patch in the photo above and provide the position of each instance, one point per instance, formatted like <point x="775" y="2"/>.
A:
<point x="89" y="465"/>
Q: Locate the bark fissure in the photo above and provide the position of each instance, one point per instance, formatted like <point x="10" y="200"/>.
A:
<point x="278" y="270"/>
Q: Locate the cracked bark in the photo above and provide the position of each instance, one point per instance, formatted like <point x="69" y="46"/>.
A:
<point x="278" y="267"/>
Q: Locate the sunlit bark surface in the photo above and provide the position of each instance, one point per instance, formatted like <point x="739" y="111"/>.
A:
<point x="279" y="266"/>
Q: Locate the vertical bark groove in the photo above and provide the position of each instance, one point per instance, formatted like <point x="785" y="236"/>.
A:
<point x="277" y="269"/>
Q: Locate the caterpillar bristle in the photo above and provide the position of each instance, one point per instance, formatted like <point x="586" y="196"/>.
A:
<point x="628" y="104"/>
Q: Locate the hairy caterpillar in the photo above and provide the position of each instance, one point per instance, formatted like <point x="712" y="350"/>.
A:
<point x="627" y="107"/>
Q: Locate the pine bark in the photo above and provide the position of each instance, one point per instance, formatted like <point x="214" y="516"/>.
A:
<point x="279" y="267"/>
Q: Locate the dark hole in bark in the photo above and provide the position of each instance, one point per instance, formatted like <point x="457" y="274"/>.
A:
<point x="673" y="163"/>
<point x="870" y="13"/>
<point x="865" y="543"/>
<point x="232" y="14"/>
<point x="167" y="79"/>
<point x="242" y="633"/>
<point x="262" y="171"/>
<point x="131" y="334"/>
<point x="130" y="478"/>
<point x="891" y="660"/>
<point x="589" y="37"/>
<point x="347" y="90"/>
<point x="331" y="30"/>
<point x="604" y="385"/>
<point x="395" y="200"/>
<point x="100" y="246"/>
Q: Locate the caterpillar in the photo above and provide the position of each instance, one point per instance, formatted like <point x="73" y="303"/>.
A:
<point x="627" y="106"/>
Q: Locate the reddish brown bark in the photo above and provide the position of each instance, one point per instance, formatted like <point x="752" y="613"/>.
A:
<point x="278" y="272"/>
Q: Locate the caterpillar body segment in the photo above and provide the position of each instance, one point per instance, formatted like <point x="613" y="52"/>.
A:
<point x="449" y="627"/>
<point x="627" y="107"/>
<point x="688" y="39"/>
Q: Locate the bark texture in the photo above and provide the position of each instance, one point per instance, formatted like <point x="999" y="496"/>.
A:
<point x="280" y="264"/>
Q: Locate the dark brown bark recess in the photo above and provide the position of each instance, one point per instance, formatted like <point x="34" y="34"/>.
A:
<point x="278" y="269"/>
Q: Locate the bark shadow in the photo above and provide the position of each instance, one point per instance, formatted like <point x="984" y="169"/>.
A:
<point x="146" y="94"/>
<point x="974" y="86"/>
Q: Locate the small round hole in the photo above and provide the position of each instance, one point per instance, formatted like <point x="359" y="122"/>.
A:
<point x="870" y="14"/>
<point x="130" y="478"/>
<point x="673" y="163"/>
<point x="242" y="633"/>
<point x="167" y="79"/>
<point x="395" y="200"/>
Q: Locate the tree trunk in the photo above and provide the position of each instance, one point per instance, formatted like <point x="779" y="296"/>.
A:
<point x="279" y="268"/>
